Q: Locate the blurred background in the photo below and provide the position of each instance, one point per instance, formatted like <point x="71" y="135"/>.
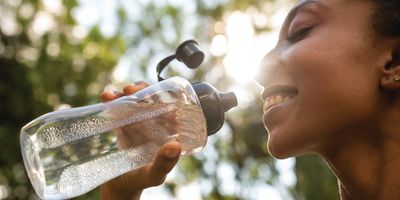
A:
<point x="59" y="54"/>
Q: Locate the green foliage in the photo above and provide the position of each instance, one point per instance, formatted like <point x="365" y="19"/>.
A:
<point x="42" y="72"/>
<point x="313" y="166"/>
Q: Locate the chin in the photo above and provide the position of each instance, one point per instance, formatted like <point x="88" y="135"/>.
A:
<point x="284" y="142"/>
<point x="277" y="151"/>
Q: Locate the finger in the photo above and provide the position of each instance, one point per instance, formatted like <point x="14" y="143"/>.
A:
<point x="110" y="95"/>
<point x="150" y="175"/>
<point x="166" y="159"/>
<point x="135" y="87"/>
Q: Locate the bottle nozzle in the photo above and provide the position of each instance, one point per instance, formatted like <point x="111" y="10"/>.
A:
<point x="214" y="105"/>
<point x="228" y="100"/>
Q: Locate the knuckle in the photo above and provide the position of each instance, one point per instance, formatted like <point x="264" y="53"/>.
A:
<point x="141" y="83"/>
<point x="128" y="88"/>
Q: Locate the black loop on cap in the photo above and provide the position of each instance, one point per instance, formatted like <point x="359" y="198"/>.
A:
<point x="161" y="65"/>
<point x="188" y="52"/>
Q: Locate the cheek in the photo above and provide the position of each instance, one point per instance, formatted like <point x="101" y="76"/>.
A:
<point x="335" y="74"/>
<point x="336" y="91"/>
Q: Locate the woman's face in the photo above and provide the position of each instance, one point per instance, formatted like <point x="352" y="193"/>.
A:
<point x="321" y="81"/>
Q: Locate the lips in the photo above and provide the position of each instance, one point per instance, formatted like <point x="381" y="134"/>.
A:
<point x="277" y="95"/>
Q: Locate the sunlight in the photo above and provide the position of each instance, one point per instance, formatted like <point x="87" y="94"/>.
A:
<point x="120" y="72"/>
<point x="54" y="6"/>
<point x="8" y="24"/>
<point x="4" y="192"/>
<point x="219" y="45"/>
<point x="239" y="60"/>
<point x="245" y="50"/>
<point x="43" y="23"/>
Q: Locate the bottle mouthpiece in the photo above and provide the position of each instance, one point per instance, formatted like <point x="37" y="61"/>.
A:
<point x="228" y="100"/>
<point x="214" y="105"/>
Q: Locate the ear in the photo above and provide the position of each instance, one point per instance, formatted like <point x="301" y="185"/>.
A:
<point x="390" y="79"/>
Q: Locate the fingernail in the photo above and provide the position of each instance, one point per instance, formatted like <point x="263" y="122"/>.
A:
<point x="171" y="153"/>
<point x="139" y="83"/>
<point x="115" y="91"/>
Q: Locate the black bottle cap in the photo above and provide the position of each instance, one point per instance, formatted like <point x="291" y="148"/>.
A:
<point x="228" y="100"/>
<point x="190" y="54"/>
<point x="214" y="105"/>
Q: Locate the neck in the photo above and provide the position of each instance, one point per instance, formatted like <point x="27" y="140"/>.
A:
<point x="367" y="164"/>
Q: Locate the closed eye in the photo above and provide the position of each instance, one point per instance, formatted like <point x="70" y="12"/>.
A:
<point x="298" y="35"/>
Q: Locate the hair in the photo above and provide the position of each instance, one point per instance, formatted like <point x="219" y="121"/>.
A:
<point x="386" y="18"/>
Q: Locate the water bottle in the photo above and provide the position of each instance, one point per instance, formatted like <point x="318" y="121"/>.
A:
<point x="70" y="152"/>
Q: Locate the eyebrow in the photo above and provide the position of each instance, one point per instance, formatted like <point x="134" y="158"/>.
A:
<point x="300" y="6"/>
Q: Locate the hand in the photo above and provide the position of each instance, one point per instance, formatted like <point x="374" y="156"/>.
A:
<point x="130" y="185"/>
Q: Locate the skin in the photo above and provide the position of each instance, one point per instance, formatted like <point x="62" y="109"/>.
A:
<point x="345" y="103"/>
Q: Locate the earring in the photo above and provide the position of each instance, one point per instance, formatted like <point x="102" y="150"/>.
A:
<point x="397" y="78"/>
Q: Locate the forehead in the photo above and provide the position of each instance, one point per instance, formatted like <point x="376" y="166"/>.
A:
<point x="334" y="16"/>
<point x="336" y="4"/>
<point x="336" y="8"/>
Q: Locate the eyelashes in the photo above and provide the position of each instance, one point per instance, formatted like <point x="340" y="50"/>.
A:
<point x="299" y="35"/>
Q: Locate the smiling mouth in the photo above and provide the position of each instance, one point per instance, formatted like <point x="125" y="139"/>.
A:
<point x="276" y="100"/>
<point x="274" y="96"/>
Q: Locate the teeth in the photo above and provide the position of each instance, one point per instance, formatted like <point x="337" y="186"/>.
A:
<point x="286" y="99"/>
<point x="278" y="99"/>
<point x="275" y="100"/>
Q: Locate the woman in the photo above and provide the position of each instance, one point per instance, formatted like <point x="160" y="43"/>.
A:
<point x="332" y="88"/>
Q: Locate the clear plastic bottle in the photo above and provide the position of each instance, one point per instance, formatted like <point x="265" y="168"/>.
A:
<point x="70" y="152"/>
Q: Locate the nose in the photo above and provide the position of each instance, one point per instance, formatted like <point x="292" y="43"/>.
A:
<point x="271" y="65"/>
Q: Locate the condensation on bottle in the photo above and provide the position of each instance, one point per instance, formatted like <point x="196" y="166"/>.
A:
<point x="70" y="152"/>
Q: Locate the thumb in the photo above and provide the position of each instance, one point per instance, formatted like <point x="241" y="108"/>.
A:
<point x="148" y="176"/>
<point x="165" y="161"/>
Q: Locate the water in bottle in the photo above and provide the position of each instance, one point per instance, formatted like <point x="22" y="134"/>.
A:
<point x="70" y="152"/>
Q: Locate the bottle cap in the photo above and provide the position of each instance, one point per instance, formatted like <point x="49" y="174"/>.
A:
<point x="190" y="54"/>
<point x="228" y="100"/>
<point x="214" y="105"/>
